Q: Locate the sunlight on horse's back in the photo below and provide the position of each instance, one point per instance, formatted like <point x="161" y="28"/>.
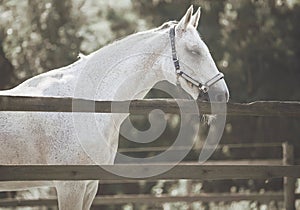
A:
<point x="58" y="82"/>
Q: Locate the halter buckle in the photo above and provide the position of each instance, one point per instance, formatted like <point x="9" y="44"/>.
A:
<point x="204" y="88"/>
<point x="176" y="64"/>
<point x="179" y="72"/>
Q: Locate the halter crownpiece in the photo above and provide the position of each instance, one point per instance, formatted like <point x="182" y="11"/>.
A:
<point x="202" y="87"/>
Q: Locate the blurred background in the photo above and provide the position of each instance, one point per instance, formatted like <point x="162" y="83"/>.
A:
<point x="255" y="43"/>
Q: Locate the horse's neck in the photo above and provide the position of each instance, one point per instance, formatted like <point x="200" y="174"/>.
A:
<point x="125" y="70"/>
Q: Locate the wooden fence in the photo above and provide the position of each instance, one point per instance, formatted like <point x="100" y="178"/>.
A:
<point x="210" y="171"/>
<point x="47" y="104"/>
<point x="192" y="171"/>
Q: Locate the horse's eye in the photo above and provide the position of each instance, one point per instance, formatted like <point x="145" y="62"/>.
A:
<point x="195" y="52"/>
<point x="194" y="49"/>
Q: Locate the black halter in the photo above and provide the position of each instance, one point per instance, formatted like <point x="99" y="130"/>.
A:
<point x="202" y="87"/>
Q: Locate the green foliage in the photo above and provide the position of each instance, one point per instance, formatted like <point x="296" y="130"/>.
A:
<point x="42" y="35"/>
<point x="38" y="35"/>
<point x="260" y="49"/>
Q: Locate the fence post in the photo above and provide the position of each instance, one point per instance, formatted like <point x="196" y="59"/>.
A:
<point x="288" y="182"/>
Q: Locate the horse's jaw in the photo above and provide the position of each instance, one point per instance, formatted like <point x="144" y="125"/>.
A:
<point x="192" y="90"/>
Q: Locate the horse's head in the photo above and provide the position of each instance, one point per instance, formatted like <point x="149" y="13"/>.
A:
<point x="196" y="71"/>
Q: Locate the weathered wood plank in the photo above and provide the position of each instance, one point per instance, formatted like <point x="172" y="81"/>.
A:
<point x="219" y="146"/>
<point x="5" y="203"/>
<point x="204" y="197"/>
<point x="265" y="108"/>
<point x="191" y="171"/>
<point x="289" y="183"/>
<point x="51" y="104"/>
<point x="150" y="199"/>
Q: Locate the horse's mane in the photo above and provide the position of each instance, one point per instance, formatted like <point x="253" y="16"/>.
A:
<point x="149" y="33"/>
<point x="82" y="57"/>
<point x="58" y="73"/>
<point x="166" y="25"/>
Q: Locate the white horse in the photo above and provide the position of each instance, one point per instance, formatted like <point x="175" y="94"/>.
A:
<point x="126" y="69"/>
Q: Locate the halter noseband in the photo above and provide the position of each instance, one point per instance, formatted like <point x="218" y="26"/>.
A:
<point x="202" y="87"/>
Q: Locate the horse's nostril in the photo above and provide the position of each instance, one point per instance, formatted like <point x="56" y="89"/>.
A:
<point x="222" y="97"/>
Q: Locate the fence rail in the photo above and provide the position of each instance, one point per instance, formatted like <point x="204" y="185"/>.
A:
<point x="151" y="199"/>
<point x="50" y="104"/>
<point x="191" y="171"/>
<point x="219" y="146"/>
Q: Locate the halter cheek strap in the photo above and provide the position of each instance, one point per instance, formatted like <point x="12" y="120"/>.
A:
<point x="202" y="87"/>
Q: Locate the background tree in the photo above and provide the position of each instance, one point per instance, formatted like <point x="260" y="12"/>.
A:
<point x="42" y="35"/>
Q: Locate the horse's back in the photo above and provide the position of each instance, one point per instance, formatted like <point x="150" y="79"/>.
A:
<point x="57" y="82"/>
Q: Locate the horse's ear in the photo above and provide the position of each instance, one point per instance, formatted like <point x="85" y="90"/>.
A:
<point x="186" y="19"/>
<point x="196" y="18"/>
